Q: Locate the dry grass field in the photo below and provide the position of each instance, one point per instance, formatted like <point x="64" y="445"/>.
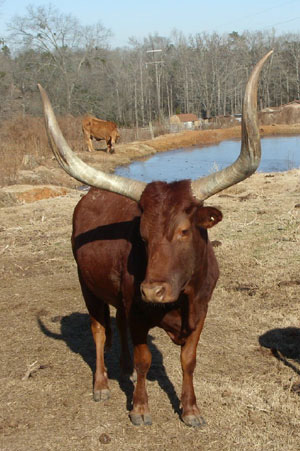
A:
<point x="247" y="379"/>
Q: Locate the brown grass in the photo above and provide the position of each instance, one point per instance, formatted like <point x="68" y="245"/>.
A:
<point x="23" y="143"/>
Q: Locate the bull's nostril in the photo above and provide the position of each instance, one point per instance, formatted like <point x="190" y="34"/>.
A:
<point x="160" y="291"/>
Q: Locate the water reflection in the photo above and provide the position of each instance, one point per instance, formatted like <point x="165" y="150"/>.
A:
<point x="278" y="154"/>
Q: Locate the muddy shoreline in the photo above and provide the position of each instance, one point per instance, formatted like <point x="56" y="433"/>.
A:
<point x="126" y="153"/>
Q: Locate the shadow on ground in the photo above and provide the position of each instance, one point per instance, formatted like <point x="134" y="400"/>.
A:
<point x="75" y="332"/>
<point x="284" y="344"/>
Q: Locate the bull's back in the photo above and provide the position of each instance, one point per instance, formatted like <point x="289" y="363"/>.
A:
<point x="98" y="128"/>
<point x="104" y="230"/>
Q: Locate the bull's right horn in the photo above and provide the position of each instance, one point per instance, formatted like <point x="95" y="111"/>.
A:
<point x="250" y="154"/>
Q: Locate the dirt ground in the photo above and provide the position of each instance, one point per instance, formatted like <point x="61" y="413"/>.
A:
<point x="247" y="379"/>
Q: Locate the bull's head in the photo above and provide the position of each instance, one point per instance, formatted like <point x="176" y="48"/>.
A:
<point x="117" y="137"/>
<point x="173" y="227"/>
<point x="170" y="212"/>
<point x="114" y="138"/>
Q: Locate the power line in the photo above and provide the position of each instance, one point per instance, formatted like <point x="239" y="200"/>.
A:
<point x="286" y="21"/>
<point x="258" y="13"/>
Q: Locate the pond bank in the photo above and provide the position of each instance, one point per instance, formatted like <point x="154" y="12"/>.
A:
<point x="204" y="137"/>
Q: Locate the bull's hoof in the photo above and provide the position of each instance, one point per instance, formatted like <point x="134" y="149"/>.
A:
<point x="140" y="420"/>
<point x="194" y="421"/>
<point x="101" y="395"/>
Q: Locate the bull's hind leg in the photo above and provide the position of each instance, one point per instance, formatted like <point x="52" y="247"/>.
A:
<point x="100" y="326"/>
<point x="88" y="140"/>
<point x="101" y="390"/>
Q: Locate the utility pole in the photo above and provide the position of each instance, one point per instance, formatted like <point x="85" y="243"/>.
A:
<point x="157" y="77"/>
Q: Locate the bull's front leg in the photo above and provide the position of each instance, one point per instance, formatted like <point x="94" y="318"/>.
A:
<point x="190" y="411"/>
<point x="125" y="357"/>
<point x="110" y="145"/>
<point x="140" y="413"/>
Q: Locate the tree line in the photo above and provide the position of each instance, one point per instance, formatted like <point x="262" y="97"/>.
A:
<point x="147" y="80"/>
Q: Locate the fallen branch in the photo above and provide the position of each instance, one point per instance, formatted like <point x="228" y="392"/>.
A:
<point x="4" y="249"/>
<point x="31" y="369"/>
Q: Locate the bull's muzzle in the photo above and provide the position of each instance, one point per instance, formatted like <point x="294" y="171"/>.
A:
<point x="160" y="292"/>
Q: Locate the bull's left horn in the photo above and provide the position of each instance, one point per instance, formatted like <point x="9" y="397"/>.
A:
<point x="250" y="154"/>
<point x="75" y="167"/>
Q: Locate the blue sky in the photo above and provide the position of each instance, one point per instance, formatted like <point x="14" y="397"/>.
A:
<point x="139" y="18"/>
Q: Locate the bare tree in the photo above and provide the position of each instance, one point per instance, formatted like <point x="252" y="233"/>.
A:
<point x="64" y="43"/>
<point x="203" y="74"/>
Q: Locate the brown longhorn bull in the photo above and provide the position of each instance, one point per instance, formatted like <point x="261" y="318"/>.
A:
<point x="144" y="249"/>
<point x="99" y="129"/>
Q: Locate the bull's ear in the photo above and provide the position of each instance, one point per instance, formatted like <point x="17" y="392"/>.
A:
<point x="208" y="217"/>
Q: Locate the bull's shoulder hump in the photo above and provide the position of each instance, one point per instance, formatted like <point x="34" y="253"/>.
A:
<point x="103" y="207"/>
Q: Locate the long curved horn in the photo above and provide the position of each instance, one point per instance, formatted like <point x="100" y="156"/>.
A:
<point x="250" y="154"/>
<point x="75" y="167"/>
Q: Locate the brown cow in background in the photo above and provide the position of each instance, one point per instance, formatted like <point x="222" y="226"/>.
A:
<point x="144" y="249"/>
<point x="99" y="129"/>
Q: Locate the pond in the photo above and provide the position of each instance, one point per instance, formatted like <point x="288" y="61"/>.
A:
<point x="278" y="154"/>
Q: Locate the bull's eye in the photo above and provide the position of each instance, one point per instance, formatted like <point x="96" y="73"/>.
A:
<point x="184" y="233"/>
